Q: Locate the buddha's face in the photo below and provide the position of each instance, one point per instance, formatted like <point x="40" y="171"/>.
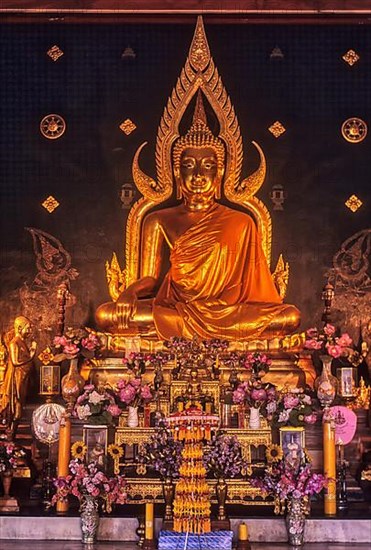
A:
<point x="198" y="175"/>
<point x="24" y="330"/>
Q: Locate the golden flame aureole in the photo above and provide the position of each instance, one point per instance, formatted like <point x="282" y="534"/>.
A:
<point x="199" y="74"/>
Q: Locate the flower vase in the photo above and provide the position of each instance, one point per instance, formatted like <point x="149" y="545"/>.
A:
<point x="89" y="519"/>
<point x="254" y="420"/>
<point x="133" y="418"/>
<point x="7" y="478"/>
<point x="295" y="522"/>
<point x="72" y="383"/>
<point x="221" y="490"/>
<point x="326" y="384"/>
<point x="169" y="492"/>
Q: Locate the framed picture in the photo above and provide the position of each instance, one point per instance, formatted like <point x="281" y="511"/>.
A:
<point x="96" y="441"/>
<point x="292" y="440"/>
<point x="347" y="382"/>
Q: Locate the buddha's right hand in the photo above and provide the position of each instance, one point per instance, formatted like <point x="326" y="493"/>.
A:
<point x="126" y="307"/>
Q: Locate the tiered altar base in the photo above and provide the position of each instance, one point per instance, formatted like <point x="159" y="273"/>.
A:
<point x="336" y="530"/>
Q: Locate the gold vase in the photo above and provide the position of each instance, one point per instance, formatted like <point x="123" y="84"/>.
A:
<point x="169" y="491"/>
<point x="7" y="478"/>
<point x="72" y="384"/>
<point x="221" y="489"/>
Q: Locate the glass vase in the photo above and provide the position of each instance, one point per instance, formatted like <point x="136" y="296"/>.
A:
<point x="326" y="384"/>
<point x="89" y="517"/>
<point x="295" y="522"/>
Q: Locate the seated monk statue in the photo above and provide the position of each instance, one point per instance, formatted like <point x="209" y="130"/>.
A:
<point x="219" y="284"/>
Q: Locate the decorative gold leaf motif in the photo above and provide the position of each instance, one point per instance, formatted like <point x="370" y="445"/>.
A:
<point x="46" y="356"/>
<point x="52" y="126"/>
<point x="55" y="53"/>
<point x="353" y="203"/>
<point x="277" y="129"/>
<point x="127" y="126"/>
<point x="50" y="204"/>
<point x="351" y="57"/>
<point x="354" y="130"/>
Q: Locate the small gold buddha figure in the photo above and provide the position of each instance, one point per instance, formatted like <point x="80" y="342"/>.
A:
<point x="13" y="391"/>
<point x="218" y="284"/>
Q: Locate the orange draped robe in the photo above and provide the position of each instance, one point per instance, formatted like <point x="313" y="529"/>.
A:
<point x="219" y="284"/>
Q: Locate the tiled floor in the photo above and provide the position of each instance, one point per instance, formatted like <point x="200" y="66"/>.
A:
<point x="63" y="545"/>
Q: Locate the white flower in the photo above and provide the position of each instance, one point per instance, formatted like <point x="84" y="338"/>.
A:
<point x="83" y="411"/>
<point x="95" y="398"/>
<point x="284" y="416"/>
<point x="271" y="407"/>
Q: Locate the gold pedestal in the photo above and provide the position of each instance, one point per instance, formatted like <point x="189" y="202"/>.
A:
<point x="9" y="504"/>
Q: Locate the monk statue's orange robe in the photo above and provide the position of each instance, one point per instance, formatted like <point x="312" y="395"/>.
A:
<point x="219" y="284"/>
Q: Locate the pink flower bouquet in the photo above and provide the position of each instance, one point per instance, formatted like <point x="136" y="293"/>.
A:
<point x="133" y="392"/>
<point x="96" y="406"/>
<point x="88" y="480"/>
<point x="286" y="480"/>
<point x="328" y="343"/>
<point x="294" y="408"/>
<point x="75" y="343"/>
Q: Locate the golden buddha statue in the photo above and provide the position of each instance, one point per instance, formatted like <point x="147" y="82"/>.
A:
<point x="219" y="284"/>
<point x="13" y="391"/>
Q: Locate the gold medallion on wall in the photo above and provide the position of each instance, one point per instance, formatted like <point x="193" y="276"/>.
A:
<point x="52" y="126"/>
<point x="354" y="130"/>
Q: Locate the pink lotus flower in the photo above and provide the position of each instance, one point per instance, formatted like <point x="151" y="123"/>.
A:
<point x="310" y="418"/>
<point x="71" y="349"/>
<point x="329" y="330"/>
<point x="114" y="410"/>
<point x="290" y="401"/>
<point x="145" y="392"/>
<point x="344" y="340"/>
<point x="88" y="344"/>
<point x="334" y="350"/>
<point x="238" y="395"/>
<point x="312" y="333"/>
<point x="60" y="341"/>
<point x="258" y="394"/>
<point x="312" y="344"/>
<point x="136" y="382"/>
<point x="127" y="394"/>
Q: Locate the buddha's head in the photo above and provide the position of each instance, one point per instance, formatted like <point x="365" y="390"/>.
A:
<point x="22" y="326"/>
<point x="198" y="160"/>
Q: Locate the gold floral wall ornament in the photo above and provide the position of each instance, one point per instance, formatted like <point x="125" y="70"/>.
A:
<point x="354" y="130"/>
<point x="277" y="129"/>
<point x="52" y="126"/>
<point x="50" y="204"/>
<point x="46" y="356"/>
<point x="353" y="203"/>
<point x="55" y="52"/>
<point x="127" y="126"/>
<point x="351" y="57"/>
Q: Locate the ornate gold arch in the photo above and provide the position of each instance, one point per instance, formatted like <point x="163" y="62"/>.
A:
<point x="199" y="72"/>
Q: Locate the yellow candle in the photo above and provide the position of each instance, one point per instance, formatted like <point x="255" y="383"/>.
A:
<point x="64" y="448"/>
<point x="329" y="466"/>
<point x="149" y="521"/>
<point x="243" y="532"/>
